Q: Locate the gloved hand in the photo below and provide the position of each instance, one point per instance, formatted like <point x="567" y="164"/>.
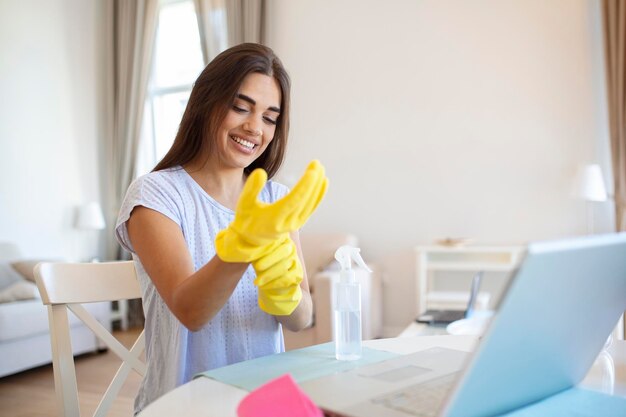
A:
<point x="259" y="228"/>
<point x="280" y="302"/>
<point x="279" y="275"/>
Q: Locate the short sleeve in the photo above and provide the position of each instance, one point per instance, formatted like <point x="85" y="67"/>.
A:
<point x="153" y="191"/>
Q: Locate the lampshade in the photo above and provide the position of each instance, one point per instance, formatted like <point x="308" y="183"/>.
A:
<point x="90" y="217"/>
<point x="589" y="184"/>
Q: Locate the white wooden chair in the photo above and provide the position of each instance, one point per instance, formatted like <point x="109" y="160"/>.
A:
<point x="65" y="286"/>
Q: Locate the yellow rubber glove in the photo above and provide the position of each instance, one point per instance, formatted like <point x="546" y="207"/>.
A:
<point x="279" y="275"/>
<point x="279" y="268"/>
<point x="259" y="228"/>
<point x="282" y="304"/>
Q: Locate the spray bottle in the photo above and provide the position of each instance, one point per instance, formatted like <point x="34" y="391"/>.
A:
<point x="347" y="305"/>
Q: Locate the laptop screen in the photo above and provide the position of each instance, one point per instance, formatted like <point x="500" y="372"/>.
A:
<point x="562" y="304"/>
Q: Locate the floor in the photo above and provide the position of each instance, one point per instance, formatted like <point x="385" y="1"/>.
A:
<point x="31" y="393"/>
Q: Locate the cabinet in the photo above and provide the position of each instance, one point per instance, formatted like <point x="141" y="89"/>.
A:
<point x="432" y="261"/>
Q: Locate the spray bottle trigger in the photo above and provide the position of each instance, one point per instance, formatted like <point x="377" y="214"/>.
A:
<point x="356" y="255"/>
<point x="346" y="254"/>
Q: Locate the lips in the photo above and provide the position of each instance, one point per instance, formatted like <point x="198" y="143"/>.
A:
<point x="243" y="142"/>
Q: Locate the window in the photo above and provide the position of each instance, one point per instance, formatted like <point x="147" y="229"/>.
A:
<point x="176" y="64"/>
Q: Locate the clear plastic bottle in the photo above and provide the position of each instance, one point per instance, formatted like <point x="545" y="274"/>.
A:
<point x="347" y="306"/>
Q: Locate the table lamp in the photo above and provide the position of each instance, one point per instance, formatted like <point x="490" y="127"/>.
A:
<point x="90" y="217"/>
<point x="589" y="186"/>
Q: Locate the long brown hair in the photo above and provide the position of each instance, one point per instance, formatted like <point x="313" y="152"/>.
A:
<point x="212" y="96"/>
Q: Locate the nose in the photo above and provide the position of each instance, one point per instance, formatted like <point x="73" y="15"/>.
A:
<point x="252" y="128"/>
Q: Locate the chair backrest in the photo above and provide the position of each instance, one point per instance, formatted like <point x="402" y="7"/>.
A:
<point x="65" y="286"/>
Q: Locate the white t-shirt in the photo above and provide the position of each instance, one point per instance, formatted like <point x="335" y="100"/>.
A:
<point x="240" y="331"/>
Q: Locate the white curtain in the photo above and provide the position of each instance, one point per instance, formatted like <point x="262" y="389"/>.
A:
<point x="211" y="16"/>
<point x="131" y="27"/>
<point x="225" y="23"/>
<point x="614" y="15"/>
<point x="245" y="21"/>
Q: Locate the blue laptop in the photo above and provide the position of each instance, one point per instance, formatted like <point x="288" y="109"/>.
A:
<point x="561" y="305"/>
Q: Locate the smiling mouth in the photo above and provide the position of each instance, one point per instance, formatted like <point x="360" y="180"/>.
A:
<point x="243" y="142"/>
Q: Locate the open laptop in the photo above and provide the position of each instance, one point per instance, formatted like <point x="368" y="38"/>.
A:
<point x="448" y="316"/>
<point x="561" y="305"/>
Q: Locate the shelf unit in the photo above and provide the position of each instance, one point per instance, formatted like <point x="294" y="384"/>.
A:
<point x="120" y="312"/>
<point x="435" y="259"/>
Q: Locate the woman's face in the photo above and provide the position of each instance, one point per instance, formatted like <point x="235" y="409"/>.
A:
<point x="250" y="123"/>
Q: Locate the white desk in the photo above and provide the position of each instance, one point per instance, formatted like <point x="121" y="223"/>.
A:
<point x="204" y="397"/>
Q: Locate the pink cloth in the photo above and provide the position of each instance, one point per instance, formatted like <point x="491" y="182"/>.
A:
<point x="280" y="397"/>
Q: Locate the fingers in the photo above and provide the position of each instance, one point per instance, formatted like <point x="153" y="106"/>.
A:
<point x="282" y="274"/>
<point x="284" y="268"/>
<point x="276" y="271"/>
<point x="253" y="186"/>
<point x="284" y="280"/>
<point x="284" y="250"/>
<point x="303" y="189"/>
<point x="260" y="223"/>
<point x="320" y="197"/>
<point x="298" y="219"/>
<point x="281" y="296"/>
<point x="306" y="193"/>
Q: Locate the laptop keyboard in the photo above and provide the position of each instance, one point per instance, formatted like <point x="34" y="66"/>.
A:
<point x="421" y="400"/>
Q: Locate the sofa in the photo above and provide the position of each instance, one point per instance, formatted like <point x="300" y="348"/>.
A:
<point x="318" y="250"/>
<point x="24" y="327"/>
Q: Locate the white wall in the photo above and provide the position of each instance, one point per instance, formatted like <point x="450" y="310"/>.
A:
<point x="434" y="118"/>
<point x="439" y="118"/>
<point x="50" y="106"/>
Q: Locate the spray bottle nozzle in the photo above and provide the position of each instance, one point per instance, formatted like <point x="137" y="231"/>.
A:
<point x="345" y="254"/>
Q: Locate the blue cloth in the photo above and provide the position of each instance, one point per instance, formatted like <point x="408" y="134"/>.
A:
<point x="575" y="402"/>
<point x="240" y="331"/>
<point x="303" y="364"/>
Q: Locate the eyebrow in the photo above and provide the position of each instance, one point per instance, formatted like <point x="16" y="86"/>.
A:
<point x="253" y="102"/>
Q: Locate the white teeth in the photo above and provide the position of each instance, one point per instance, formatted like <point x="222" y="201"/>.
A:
<point x="243" y="142"/>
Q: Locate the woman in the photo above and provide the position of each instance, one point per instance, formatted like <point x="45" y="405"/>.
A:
<point x="202" y="307"/>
